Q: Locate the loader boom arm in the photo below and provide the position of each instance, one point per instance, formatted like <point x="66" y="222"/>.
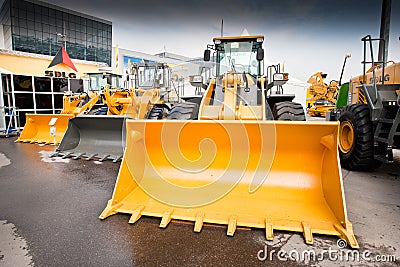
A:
<point x="71" y="103"/>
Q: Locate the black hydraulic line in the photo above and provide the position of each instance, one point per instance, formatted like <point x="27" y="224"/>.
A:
<point x="344" y="64"/>
<point x="246" y="89"/>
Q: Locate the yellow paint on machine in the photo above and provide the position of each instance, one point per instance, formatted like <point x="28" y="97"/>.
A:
<point x="265" y="182"/>
<point x="320" y="110"/>
<point x="232" y="166"/>
<point x="37" y="129"/>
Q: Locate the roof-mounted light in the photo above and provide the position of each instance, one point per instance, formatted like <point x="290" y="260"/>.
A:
<point x="260" y="40"/>
<point x="217" y="42"/>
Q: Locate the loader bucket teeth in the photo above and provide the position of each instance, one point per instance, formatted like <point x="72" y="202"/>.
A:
<point x="273" y="175"/>
<point x="90" y="137"/>
<point x="37" y="128"/>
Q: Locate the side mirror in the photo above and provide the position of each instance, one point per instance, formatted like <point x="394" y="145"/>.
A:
<point x="207" y="55"/>
<point x="260" y="54"/>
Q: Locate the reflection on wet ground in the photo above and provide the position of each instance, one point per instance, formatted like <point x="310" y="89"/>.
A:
<point x="55" y="204"/>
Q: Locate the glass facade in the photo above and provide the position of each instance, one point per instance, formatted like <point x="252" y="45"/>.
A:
<point x="38" y="27"/>
<point x="5" y="22"/>
<point x="39" y="95"/>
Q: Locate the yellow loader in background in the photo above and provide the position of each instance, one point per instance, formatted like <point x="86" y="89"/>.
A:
<point x="321" y="97"/>
<point x="101" y="137"/>
<point x="235" y="165"/>
<point x="50" y="128"/>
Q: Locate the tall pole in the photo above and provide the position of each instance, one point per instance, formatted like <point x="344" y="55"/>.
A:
<point x="116" y="59"/>
<point x="385" y="28"/>
<point x="64" y="36"/>
<point x="344" y="64"/>
<point x="222" y="27"/>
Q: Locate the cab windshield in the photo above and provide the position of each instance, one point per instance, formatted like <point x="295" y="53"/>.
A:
<point x="238" y="57"/>
<point x="99" y="81"/>
<point x="146" y="76"/>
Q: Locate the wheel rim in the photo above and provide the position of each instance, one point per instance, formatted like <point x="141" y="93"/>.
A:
<point x="346" y="136"/>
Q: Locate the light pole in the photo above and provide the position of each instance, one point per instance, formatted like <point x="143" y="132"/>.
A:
<point x="63" y="36"/>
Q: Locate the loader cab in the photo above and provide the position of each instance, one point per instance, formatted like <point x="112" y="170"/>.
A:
<point x="240" y="54"/>
<point x="153" y="75"/>
<point x="239" y="65"/>
<point x="99" y="81"/>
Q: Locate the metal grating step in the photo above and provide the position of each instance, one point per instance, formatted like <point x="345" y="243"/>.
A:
<point x="381" y="139"/>
<point x="381" y="158"/>
<point x="386" y="120"/>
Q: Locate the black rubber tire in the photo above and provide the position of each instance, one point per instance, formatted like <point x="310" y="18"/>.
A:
<point x="184" y="111"/>
<point x="288" y="111"/>
<point x="268" y="112"/>
<point x="361" y="155"/>
<point x="156" y="113"/>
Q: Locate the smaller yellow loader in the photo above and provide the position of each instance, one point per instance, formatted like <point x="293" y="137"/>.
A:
<point x="50" y="128"/>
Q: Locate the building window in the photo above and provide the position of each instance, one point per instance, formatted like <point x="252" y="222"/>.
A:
<point x="35" y="29"/>
<point x="44" y="101"/>
<point x="24" y="101"/>
<point x="76" y="85"/>
<point x="42" y="84"/>
<point x="23" y="83"/>
<point x="58" y="101"/>
<point x="60" y="85"/>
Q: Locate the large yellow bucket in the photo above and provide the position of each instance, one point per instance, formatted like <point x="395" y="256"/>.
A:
<point x="37" y="128"/>
<point x="270" y="174"/>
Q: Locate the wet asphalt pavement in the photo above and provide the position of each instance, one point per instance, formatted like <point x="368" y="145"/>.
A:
<point x="54" y="207"/>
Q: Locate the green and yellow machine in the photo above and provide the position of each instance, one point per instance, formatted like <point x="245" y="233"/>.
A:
<point x="369" y="114"/>
<point x="368" y="107"/>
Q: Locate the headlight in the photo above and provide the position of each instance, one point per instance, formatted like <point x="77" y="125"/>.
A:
<point x="281" y="77"/>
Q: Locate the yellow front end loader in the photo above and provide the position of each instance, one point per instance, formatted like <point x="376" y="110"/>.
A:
<point x="235" y="165"/>
<point x="101" y="137"/>
<point x="50" y="128"/>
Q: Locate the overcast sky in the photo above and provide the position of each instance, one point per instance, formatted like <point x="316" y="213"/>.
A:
<point x="307" y="36"/>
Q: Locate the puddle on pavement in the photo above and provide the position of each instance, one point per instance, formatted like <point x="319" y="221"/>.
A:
<point x="14" y="250"/>
<point x="45" y="155"/>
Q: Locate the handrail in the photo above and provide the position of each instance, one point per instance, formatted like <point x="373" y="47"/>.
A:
<point x="369" y="39"/>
